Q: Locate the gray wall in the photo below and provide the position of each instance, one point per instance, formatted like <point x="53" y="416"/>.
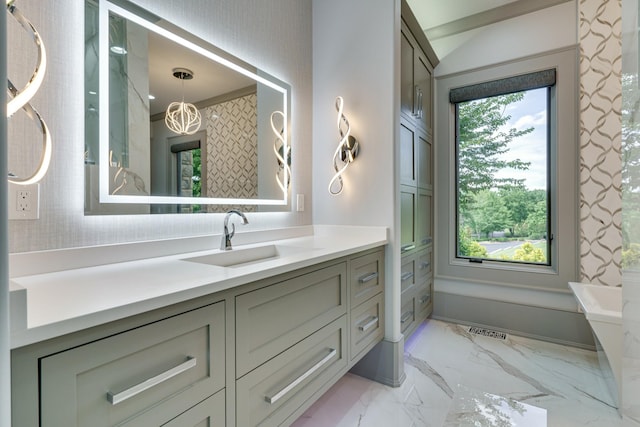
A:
<point x="5" y="372"/>
<point x="356" y="56"/>
<point x="274" y="35"/>
<point x="482" y="300"/>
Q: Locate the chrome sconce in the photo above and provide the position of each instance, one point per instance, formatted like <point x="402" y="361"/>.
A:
<point x="281" y="151"/>
<point x="346" y="151"/>
<point x="19" y="98"/>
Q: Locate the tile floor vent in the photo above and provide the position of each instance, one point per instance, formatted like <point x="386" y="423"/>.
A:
<point x="487" y="333"/>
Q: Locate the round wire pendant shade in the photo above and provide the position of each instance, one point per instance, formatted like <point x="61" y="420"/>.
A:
<point x="182" y="118"/>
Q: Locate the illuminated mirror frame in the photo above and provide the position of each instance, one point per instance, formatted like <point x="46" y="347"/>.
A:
<point x="211" y="53"/>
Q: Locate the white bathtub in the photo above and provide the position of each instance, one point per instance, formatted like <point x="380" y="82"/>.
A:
<point x="602" y="306"/>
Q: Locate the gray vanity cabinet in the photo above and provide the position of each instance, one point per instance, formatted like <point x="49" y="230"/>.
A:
<point x="416" y="176"/>
<point x="296" y="337"/>
<point x="257" y="354"/>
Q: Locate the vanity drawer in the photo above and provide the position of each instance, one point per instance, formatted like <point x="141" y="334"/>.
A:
<point x="367" y="324"/>
<point x="367" y="277"/>
<point x="208" y="413"/>
<point x="272" y="319"/>
<point x="407" y="273"/>
<point x="423" y="265"/>
<point x="270" y="393"/>
<point x="152" y="372"/>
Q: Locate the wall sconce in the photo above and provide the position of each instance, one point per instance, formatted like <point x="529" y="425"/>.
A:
<point x="182" y="118"/>
<point x="282" y="151"/>
<point x="20" y="98"/>
<point x="345" y="153"/>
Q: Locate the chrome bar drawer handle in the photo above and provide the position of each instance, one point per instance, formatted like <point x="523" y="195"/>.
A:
<point x="273" y="399"/>
<point x="368" y="277"/>
<point x="116" y="398"/>
<point x="424" y="299"/>
<point x="406" y="276"/>
<point x="426" y="241"/>
<point x="424" y="265"/>
<point x="406" y="248"/>
<point x="370" y="324"/>
<point x="408" y="315"/>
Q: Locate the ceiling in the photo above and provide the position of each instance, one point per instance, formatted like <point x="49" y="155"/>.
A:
<point x="434" y="13"/>
<point x="210" y="79"/>
<point x="443" y="18"/>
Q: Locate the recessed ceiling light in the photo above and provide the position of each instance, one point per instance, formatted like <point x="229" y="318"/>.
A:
<point x="151" y="97"/>
<point x="119" y="50"/>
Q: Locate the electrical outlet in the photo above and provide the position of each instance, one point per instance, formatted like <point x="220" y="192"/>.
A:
<point x="24" y="201"/>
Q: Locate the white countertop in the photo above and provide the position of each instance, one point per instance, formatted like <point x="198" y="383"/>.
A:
<point x="66" y="301"/>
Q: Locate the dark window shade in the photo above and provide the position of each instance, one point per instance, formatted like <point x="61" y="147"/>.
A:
<point x="520" y="83"/>
<point x="185" y="146"/>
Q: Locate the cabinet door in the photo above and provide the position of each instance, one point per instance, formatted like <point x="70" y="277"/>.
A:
<point x="423" y="265"/>
<point x="407" y="312"/>
<point x="407" y="273"/>
<point x="424" y="235"/>
<point x="424" y="161"/>
<point x="422" y="81"/>
<point x="408" y="153"/>
<point x="416" y="81"/>
<point x="407" y="87"/>
<point x="408" y="202"/>
<point x="423" y="300"/>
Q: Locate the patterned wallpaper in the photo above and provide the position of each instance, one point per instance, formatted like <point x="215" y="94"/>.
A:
<point x="600" y="34"/>
<point x="232" y="150"/>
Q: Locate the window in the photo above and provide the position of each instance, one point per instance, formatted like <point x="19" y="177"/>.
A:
<point x="502" y="169"/>
<point x="506" y="190"/>
<point x="188" y="171"/>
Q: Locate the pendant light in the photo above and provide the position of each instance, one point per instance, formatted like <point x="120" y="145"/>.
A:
<point x="182" y="117"/>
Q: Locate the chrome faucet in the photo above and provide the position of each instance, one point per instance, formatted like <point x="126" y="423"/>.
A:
<point x="225" y="243"/>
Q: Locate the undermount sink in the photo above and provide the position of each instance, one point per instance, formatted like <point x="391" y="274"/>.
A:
<point x="247" y="256"/>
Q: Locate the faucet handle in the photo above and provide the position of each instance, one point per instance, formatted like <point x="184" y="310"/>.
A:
<point x="233" y="231"/>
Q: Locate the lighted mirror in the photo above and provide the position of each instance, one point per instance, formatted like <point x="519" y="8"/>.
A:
<point x="174" y="124"/>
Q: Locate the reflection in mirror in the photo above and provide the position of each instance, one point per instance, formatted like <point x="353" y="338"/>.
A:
<point x="173" y="124"/>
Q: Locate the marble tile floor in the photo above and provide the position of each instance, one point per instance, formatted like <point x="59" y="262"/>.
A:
<point x="455" y="378"/>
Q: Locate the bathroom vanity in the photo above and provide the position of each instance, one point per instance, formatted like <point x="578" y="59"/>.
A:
<point x="248" y="337"/>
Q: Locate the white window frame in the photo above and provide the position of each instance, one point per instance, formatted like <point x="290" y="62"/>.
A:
<point x="563" y="171"/>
